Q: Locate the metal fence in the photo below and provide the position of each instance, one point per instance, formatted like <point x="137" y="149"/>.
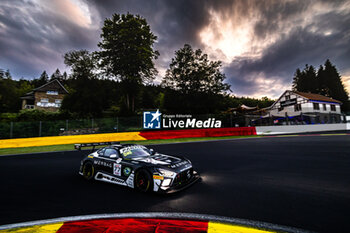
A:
<point x="125" y="124"/>
<point x="92" y="125"/>
<point x="68" y="127"/>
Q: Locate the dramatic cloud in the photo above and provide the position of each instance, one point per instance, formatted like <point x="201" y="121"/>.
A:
<point x="267" y="41"/>
<point x="261" y="43"/>
<point x="34" y="35"/>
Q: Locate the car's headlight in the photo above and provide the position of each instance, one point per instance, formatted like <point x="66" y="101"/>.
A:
<point x="166" y="182"/>
<point x="166" y="173"/>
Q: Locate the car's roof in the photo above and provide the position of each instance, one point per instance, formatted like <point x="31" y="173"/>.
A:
<point x="118" y="146"/>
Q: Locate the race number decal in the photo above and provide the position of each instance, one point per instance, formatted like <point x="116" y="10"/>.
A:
<point x="117" y="168"/>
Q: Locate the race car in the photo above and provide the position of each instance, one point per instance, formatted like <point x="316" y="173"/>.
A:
<point x="137" y="167"/>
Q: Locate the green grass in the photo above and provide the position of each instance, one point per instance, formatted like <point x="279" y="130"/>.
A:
<point x="67" y="147"/>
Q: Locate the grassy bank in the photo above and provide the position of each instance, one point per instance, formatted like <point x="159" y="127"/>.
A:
<point x="67" y="147"/>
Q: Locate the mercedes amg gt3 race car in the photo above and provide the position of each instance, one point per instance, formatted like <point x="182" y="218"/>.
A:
<point x="137" y="167"/>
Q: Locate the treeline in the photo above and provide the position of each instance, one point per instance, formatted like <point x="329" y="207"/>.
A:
<point x="324" y="81"/>
<point x="99" y="97"/>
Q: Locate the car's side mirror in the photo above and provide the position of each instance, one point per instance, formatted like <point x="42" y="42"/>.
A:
<point x="113" y="156"/>
<point x="152" y="151"/>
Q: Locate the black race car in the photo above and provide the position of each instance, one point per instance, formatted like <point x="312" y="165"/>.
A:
<point x="137" y="167"/>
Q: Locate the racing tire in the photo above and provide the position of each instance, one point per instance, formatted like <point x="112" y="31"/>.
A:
<point x="143" y="181"/>
<point x="88" y="171"/>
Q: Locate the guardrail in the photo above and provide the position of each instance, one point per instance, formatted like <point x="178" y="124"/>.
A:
<point x="290" y="129"/>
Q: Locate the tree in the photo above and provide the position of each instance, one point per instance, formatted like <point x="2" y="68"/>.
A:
<point x="191" y="71"/>
<point x="64" y="76"/>
<point x="9" y="93"/>
<point x="87" y="96"/>
<point x="8" y="74"/>
<point x="306" y="80"/>
<point x="44" y="78"/>
<point x="127" y="52"/>
<point x="332" y="84"/>
<point x="296" y="79"/>
<point x="83" y="64"/>
<point x="56" y="75"/>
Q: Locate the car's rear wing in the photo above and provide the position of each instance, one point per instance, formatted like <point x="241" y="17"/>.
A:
<point x="93" y="145"/>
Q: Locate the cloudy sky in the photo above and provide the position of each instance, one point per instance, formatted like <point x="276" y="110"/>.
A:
<point x="261" y="43"/>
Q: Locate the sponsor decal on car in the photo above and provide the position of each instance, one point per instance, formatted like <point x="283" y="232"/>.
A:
<point x="128" y="150"/>
<point x="127" y="171"/>
<point x="156" y="177"/>
<point x="117" y="169"/>
<point x="179" y="164"/>
<point x="103" y="163"/>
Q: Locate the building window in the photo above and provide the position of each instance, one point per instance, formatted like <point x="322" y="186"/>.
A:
<point x="44" y="100"/>
<point x="333" y="107"/>
<point x="58" y="103"/>
<point x="297" y="107"/>
<point x="287" y="97"/>
<point x="52" y="92"/>
<point x="324" y="107"/>
<point x="316" y="106"/>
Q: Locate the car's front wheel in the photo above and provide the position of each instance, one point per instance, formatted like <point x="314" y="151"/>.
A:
<point x="143" y="181"/>
<point x="88" y="171"/>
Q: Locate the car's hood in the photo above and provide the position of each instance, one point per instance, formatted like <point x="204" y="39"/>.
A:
<point x="163" y="160"/>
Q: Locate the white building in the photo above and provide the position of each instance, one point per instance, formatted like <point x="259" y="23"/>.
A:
<point x="300" y="108"/>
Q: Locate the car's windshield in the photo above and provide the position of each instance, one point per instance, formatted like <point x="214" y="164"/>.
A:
<point x="134" y="152"/>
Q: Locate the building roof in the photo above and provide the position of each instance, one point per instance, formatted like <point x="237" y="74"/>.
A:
<point x="52" y="85"/>
<point x="28" y="96"/>
<point x="317" y="97"/>
<point x="243" y="108"/>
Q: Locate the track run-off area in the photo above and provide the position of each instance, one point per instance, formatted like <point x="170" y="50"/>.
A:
<point x="301" y="182"/>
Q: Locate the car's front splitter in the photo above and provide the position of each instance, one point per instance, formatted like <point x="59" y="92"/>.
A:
<point x="195" y="177"/>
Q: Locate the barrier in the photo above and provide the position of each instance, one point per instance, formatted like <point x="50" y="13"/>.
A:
<point x="291" y="129"/>
<point x="171" y="134"/>
<point x="195" y="133"/>
<point x="61" y="140"/>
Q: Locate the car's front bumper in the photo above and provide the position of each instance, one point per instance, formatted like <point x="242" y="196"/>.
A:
<point x="172" y="189"/>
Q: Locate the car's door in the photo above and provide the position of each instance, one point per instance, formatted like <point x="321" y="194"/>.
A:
<point x="105" y="161"/>
<point x="114" y="164"/>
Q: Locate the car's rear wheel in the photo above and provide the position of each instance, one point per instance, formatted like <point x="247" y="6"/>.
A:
<point x="88" y="171"/>
<point x="143" y="181"/>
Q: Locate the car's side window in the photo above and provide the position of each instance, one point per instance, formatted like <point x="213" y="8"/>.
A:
<point x="110" y="151"/>
<point x="100" y="152"/>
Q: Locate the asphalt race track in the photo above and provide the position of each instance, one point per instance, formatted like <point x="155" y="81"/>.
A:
<point x="301" y="182"/>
